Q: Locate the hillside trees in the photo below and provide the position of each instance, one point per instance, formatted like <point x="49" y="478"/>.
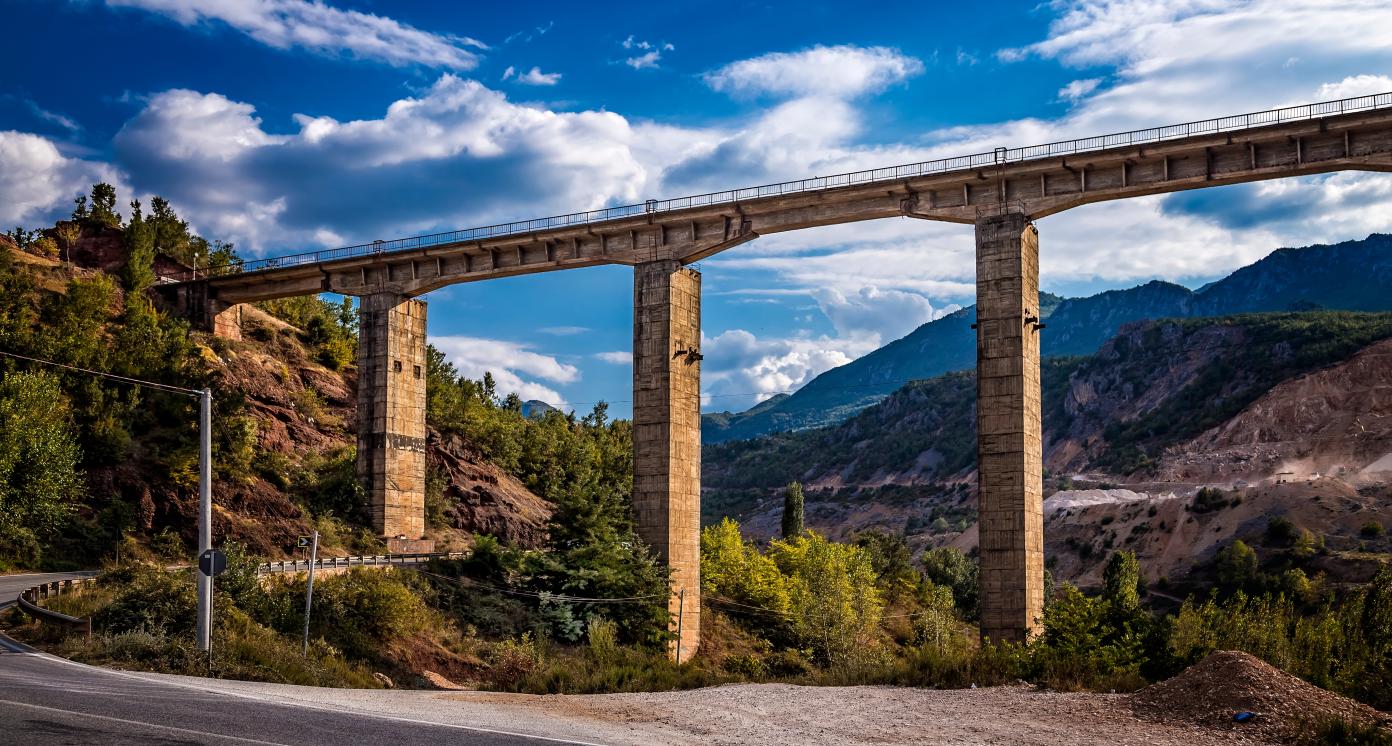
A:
<point x="40" y="480"/>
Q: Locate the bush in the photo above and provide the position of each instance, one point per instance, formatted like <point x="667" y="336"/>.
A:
<point x="1372" y="529"/>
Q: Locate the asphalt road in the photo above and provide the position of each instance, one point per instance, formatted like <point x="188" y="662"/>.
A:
<point x="49" y="700"/>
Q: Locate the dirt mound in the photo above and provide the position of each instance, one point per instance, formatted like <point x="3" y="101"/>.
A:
<point x="1211" y="691"/>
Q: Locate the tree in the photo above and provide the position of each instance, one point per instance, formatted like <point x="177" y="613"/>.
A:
<point x="1236" y="565"/>
<point x="104" y="205"/>
<point x="139" y="272"/>
<point x="68" y="233"/>
<point x="949" y="567"/>
<point x="1121" y="583"/>
<point x="80" y="211"/>
<point x="40" y="482"/>
<point x="792" y="511"/>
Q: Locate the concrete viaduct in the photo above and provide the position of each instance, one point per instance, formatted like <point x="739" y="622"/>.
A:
<point x="1001" y="193"/>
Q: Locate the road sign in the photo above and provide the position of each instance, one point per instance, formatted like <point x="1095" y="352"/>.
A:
<point x="303" y="543"/>
<point x="212" y="563"/>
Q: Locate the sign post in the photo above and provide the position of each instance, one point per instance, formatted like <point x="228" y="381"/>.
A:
<point x="205" y="517"/>
<point x="309" y="587"/>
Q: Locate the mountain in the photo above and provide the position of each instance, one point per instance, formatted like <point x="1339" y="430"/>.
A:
<point x="1153" y="386"/>
<point x="1286" y="414"/>
<point x="1353" y="275"/>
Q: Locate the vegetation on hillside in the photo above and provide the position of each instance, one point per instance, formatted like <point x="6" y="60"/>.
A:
<point x="80" y="454"/>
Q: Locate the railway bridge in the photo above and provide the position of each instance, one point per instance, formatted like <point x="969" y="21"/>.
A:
<point x="1001" y="193"/>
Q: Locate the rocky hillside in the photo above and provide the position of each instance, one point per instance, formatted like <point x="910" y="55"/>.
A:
<point x="284" y="445"/>
<point x="1246" y="403"/>
<point x="1353" y="275"/>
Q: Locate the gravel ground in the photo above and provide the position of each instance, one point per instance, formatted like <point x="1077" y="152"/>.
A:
<point x="767" y="715"/>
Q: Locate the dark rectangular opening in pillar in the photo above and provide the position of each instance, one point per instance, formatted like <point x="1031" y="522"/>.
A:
<point x="1009" y="445"/>
<point x="667" y="432"/>
<point x="391" y="415"/>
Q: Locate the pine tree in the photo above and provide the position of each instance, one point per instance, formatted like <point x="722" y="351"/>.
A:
<point x="139" y="272"/>
<point x="792" y="511"/>
<point x="104" y="205"/>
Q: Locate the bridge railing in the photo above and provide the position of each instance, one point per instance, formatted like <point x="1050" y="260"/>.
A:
<point x="999" y="156"/>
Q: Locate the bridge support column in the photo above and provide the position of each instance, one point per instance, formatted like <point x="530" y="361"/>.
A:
<point x="225" y="319"/>
<point x="667" y="432"/>
<point x="1009" y="444"/>
<point x="391" y="416"/>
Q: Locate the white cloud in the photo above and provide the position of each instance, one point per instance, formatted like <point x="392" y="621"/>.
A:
<point x="652" y="52"/>
<point x="319" y="28"/>
<point x="617" y="357"/>
<point x="1075" y="90"/>
<point x="644" y="61"/>
<point x="511" y="364"/>
<point x="535" y="76"/>
<point x="460" y="154"/>
<point x="67" y="123"/>
<point x="740" y="369"/>
<point x="885" y="315"/>
<point x="39" y="182"/>
<point x="563" y="331"/>
<point x="1354" y="86"/>
<point x="840" y="71"/>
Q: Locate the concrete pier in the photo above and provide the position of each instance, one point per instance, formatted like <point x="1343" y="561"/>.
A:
<point x="391" y="416"/>
<point x="667" y="432"/>
<point x="1009" y="445"/>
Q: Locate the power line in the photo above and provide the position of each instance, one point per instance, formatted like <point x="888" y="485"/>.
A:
<point x="125" y="379"/>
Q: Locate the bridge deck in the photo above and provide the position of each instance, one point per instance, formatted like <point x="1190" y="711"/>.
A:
<point x="1352" y="134"/>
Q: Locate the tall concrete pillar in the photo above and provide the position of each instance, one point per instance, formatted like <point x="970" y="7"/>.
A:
<point x="1009" y="445"/>
<point x="667" y="432"/>
<point x="391" y="416"/>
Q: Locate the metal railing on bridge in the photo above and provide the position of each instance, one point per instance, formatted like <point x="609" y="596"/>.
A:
<point x="996" y="157"/>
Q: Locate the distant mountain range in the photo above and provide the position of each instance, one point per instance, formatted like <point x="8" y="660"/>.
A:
<point x="1353" y="275"/>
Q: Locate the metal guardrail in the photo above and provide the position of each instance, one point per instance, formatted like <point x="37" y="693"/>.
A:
<point x="373" y="560"/>
<point x="996" y="157"/>
<point x="28" y="600"/>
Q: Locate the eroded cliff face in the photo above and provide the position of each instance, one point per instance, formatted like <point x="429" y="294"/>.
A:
<point x="1334" y="421"/>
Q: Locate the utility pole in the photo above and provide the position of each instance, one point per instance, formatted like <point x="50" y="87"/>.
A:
<point x="309" y="590"/>
<point x="205" y="516"/>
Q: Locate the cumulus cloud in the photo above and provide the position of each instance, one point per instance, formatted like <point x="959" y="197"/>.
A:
<point x="319" y="28"/>
<point x="840" y="71"/>
<point x="40" y="182"/>
<point x="740" y="369"/>
<point x="460" y="154"/>
<point x="617" y="357"/>
<point x="513" y="365"/>
<point x="884" y="314"/>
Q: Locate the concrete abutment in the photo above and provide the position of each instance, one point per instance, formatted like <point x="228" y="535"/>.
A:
<point x="391" y="416"/>
<point x="1009" y="444"/>
<point x="667" y="433"/>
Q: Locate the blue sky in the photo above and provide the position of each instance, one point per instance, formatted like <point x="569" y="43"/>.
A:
<point x="285" y="126"/>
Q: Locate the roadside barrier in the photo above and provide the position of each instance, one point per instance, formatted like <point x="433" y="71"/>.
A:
<point x="372" y="560"/>
<point x="28" y="600"/>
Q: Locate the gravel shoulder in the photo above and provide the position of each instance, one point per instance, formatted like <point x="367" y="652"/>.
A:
<point x="764" y="714"/>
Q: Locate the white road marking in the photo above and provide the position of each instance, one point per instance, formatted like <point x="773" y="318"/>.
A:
<point x="90" y="716"/>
